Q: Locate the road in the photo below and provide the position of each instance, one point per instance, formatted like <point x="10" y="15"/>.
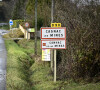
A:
<point x="1" y="24"/>
<point x="3" y="57"/>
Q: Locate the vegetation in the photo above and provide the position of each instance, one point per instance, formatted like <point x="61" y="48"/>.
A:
<point x="79" y="63"/>
<point x="81" y="58"/>
<point x="5" y="27"/>
<point x="21" y="63"/>
<point x="14" y="34"/>
<point x="44" y="12"/>
<point x="16" y="23"/>
<point x="16" y="61"/>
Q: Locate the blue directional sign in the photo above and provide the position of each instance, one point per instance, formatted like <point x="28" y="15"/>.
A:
<point x="10" y="22"/>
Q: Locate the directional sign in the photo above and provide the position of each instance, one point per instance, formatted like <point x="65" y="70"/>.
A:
<point x="10" y="22"/>
<point x="53" y="44"/>
<point x="31" y="30"/>
<point x="53" y="33"/>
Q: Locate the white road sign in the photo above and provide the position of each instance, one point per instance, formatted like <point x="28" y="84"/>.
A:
<point x="53" y="44"/>
<point x="10" y="22"/>
<point x="53" y="33"/>
<point x="45" y="54"/>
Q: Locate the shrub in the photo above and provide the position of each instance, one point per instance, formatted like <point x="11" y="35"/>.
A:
<point x="16" y="34"/>
<point x="16" y="23"/>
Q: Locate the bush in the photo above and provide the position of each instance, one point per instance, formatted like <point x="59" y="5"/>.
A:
<point x="16" y="23"/>
<point x="81" y="58"/>
<point x="16" y="34"/>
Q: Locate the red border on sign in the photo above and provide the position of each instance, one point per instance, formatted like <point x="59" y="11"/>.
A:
<point x="28" y="25"/>
<point x="53" y="40"/>
<point x="53" y="28"/>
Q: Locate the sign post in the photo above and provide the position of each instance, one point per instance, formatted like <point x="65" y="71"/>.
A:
<point x="55" y="25"/>
<point x="27" y="26"/>
<point x="11" y="23"/>
<point x="53" y="37"/>
<point x="55" y="66"/>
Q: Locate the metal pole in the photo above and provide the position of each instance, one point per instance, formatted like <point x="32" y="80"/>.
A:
<point x="35" y="27"/>
<point x="54" y="65"/>
<point x="11" y="28"/>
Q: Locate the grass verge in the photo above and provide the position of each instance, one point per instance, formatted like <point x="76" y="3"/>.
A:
<point x="25" y="71"/>
<point x="18" y="63"/>
<point x="5" y="27"/>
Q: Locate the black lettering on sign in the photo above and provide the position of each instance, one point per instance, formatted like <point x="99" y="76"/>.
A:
<point x="56" y="25"/>
<point x="47" y="31"/>
<point x="55" y="31"/>
<point x="52" y="25"/>
<point x="44" y="35"/>
<point x="56" y="45"/>
<point x="61" y="35"/>
<point x="51" y="35"/>
<point x="59" y="31"/>
<point x="51" y="31"/>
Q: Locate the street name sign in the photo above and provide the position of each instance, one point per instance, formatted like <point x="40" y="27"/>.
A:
<point x="10" y="22"/>
<point x="53" y="44"/>
<point x="53" y="33"/>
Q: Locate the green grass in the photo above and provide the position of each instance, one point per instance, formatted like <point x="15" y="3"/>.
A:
<point x="18" y="68"/>
<point x="5" y="27"/>
<point x="41" y="78"/>
<point x="91" y="86"/>
<point x="29" y="46"/>
<point x="15" y="71"/>
<point x="25" y="71"/>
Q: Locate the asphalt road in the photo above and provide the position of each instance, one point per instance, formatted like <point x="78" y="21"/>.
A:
<point x="3" y="57"/>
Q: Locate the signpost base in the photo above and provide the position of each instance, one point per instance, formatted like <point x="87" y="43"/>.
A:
<point x="54" y="65"/>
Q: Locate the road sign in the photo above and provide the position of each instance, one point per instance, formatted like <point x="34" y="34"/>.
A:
<point x="53" y="44"/>
<point x="26" y="24"/>
<point x="53" y="33"/>
<point x="10" y="22"/>
<point x="31" y="30"/>
<point x="45" y="54"/>
<point x="55" y="24"/>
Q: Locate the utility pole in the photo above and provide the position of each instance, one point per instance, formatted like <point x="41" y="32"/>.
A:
<point x="35" y="27"/>
<point x="52" y="11"/>
<point x="52" y="20"/>
<point x="53" y="52"/>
